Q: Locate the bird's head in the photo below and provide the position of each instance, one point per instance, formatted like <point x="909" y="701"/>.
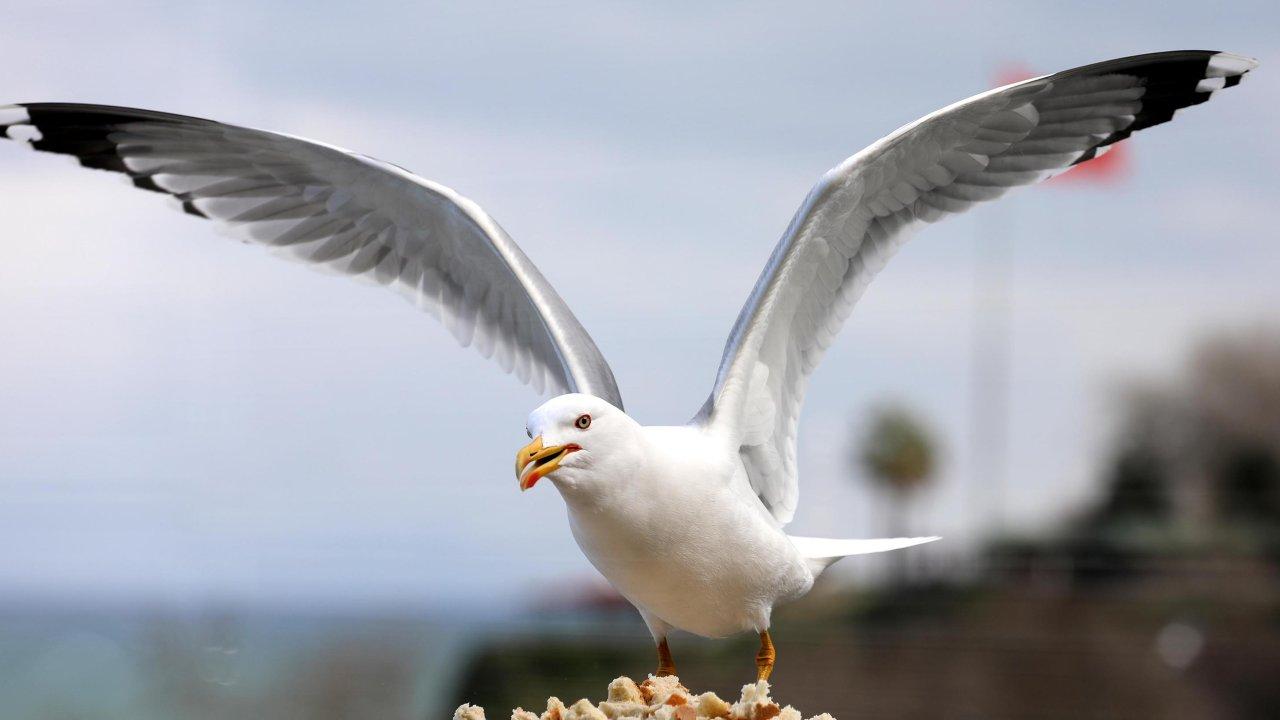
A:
<point x="576" y="440"/>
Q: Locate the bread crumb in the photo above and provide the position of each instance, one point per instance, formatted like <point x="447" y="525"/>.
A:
<point x="673" y="712"/>
<point x="658" y="698"/>
<point x="756" y="692"/>
<point x="711" y="706"/>
<point x="624" y="689"/>
<point x="623" y="709"/>
<point x="664" y="691"/>
<point x="555" y="709"/>
<point x="755" y="703"/>
<point x="584" y="710"/>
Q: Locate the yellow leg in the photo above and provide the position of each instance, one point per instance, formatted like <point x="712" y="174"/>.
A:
<point x="766" y="657"/>
<point x="666" y="666"/>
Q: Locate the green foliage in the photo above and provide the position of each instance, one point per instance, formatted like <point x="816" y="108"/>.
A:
<point x="897" y="449"/>
<point x="1202" y="453"/>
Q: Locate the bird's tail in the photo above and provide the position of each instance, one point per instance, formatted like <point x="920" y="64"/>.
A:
<point x="821" y="552"/>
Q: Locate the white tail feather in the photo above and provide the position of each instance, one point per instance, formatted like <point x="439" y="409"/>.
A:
<point x="821" y="552"/>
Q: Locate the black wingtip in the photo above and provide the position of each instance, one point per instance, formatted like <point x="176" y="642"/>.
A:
<point x="147" y="183"/>
<point x="88" y="133"/>
<point x="189" y="208"/>
<point x="1173" y="81"/>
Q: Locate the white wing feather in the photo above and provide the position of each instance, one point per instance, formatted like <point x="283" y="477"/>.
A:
<point x="861" y="211"/>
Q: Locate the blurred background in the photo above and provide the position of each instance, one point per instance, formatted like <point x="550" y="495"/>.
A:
<point x="231" y="487"/>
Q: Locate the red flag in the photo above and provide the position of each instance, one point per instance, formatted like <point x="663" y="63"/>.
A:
<point x="1109" y="166"/>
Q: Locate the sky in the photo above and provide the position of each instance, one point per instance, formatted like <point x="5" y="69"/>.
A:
<point x="184" y="418"/>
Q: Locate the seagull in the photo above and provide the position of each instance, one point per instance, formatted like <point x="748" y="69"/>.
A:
<point x="687" y="521"/>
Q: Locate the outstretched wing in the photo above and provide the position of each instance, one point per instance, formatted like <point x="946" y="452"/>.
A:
<point x="861" y="210"/>
<point x="347" y="212"/>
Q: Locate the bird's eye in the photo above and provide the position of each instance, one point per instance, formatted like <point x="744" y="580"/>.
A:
<point x="583" y="422"/>
<point x="528" y="432"/>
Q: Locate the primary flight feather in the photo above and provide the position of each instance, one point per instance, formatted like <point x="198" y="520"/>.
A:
<point x="685" y="521"/>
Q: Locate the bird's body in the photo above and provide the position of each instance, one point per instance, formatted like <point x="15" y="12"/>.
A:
<point x="684" y="539"/>
<point x="686" y="522"/>
<point x="668" y="515"/>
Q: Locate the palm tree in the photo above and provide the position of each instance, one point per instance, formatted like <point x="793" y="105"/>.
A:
<point x="898" y="452"/>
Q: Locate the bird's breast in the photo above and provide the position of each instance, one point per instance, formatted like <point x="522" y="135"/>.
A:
<point x="690" y="551"/>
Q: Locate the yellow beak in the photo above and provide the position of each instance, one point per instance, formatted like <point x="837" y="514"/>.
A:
<point x="534" y="462"/>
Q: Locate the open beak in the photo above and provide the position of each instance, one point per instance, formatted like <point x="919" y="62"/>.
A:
<point x="534" y="462"/>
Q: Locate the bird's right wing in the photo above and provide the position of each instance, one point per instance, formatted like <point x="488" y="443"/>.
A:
<point x="860" y="212"/>
<point x="345" y="212"/>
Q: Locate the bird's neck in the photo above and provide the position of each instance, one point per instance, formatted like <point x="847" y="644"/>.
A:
<point x="614" y="483"/>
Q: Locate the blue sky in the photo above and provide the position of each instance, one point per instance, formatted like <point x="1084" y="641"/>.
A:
<point x="185" y="418"/>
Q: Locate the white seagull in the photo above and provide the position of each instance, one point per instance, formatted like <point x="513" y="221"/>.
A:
<point x="685" y="521"/>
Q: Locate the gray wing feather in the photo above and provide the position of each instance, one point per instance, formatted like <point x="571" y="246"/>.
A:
<point x="862" y="211"/>
<point x="345" y="212"/>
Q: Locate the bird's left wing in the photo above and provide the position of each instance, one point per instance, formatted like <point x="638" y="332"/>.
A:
<point x="861" y="210"/>
<point x="344" y="212"/>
